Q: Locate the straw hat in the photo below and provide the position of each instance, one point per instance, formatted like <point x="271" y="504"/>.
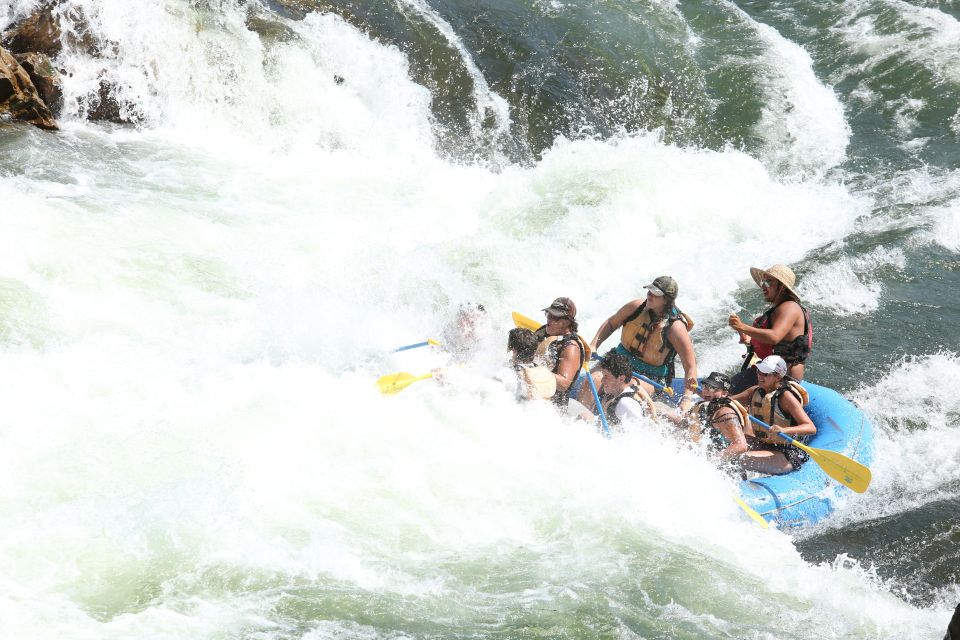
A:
<point x="779" y="272"/>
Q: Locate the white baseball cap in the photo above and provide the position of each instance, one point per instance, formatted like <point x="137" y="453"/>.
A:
<point x="773" y="364"/>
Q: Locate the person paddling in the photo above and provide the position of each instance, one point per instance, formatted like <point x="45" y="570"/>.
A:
<point x="654" y="332"/>
<point x="778" y="401"/>
<point x="784" y="329"/>
<point x="560" y="348"/>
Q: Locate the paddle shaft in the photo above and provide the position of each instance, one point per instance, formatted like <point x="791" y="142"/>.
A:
<point x="596" y="399"/>
<point x="411" y="346"/>
<point x="780" y="434"/>
<point x="417" y="345"/>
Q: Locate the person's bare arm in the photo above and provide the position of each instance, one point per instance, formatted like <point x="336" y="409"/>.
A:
<point x="725" y="421"/>
<point x="784" y="318"/>
<point x="792" y="407"/>
<point x="680" y="339"/>
<point x="744" y="396"/>
<point x="569" y="366"/>
<point x="614" y="322"/>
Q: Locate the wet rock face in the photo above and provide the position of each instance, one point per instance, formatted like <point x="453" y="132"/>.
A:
<point x="47" y="29"/>
<point x="19" y="99"/>
<point x="39" y="33"/>
<point x="35" y="42"/>
<point x="45" y="77"/>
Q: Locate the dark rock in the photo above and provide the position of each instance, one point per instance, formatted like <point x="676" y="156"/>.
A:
<point x="40" y="32"/>
<point x="46" y="78"/>
<point x="43" y="32"/>
<point x="270" y="30"/>
<point x="19" y="99"/>
<point x="104" y="106"/>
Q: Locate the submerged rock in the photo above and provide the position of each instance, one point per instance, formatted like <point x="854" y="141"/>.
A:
<point x="19" y="99"/>
<point x="105" y="106"/>
<point x="269" y="30"/>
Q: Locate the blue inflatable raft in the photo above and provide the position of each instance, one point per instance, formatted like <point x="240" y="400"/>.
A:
<point x="808" y="495"/>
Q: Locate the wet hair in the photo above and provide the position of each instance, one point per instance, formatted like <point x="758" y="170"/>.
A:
<point x="523" y="343"/>
<point x="617" y="364"/>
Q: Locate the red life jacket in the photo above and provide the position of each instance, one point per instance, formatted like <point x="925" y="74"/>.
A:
<point x="801" y="344"/>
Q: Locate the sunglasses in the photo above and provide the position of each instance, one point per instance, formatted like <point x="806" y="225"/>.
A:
<point x="766" y="283"/>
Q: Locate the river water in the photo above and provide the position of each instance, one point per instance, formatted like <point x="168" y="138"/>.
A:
<point x="194" y="308"/>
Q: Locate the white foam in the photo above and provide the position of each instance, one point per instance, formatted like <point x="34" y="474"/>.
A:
<point x="925" y="36"/>
<point x="946" y="225"/>
<point x="916" y="443"/>
<point x="802" y="120"/>
<point x="850" y="285"/>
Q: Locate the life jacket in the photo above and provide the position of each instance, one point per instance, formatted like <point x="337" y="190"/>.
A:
<point x="536" y="381"/>
<point x="548" y="354"/>
<point x="766" y="407"/>
<point x="707" y="409"/>
<point x="633" y="391"/>
<point x="699" y="413"/>
<point x="792" y="351"/>
<point x="645" y="337"/>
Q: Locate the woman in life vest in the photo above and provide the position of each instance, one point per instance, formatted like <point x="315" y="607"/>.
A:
<point x="777" y="401"/>
<point x="621" y="396"/>
<point x="560" y="348"/>
<point x="720" y="418"/>
<point x="784" y="329"/>
<point x="653" y="332"/>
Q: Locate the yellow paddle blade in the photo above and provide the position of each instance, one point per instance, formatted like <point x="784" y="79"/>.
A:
<point x="397" y="382"/>
<point x="751" y="512"/>
<point x="841" y="468"/>
<point x="524" y="322"/>
<point x="433" y="342"/>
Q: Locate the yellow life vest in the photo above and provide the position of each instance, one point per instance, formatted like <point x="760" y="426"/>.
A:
<point x="646" y="337"/>
<point x="538" y="381"/>
<point x="766" y="406"/>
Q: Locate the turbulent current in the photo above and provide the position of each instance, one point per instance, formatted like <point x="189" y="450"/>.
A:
<point x="194" y="307"/>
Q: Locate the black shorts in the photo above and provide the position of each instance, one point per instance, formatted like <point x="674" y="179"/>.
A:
<point x="794" y="455"/>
